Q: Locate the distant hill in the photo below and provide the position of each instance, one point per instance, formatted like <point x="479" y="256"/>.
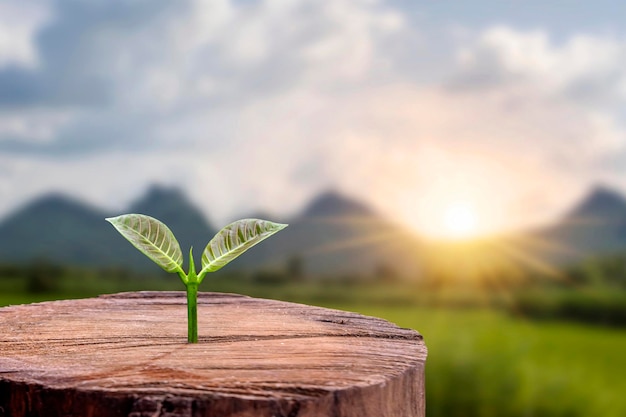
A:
<point x="59" y="229"/>
<point x="334" y="235"/>
<point x="601" y="203"/>
<point x="595" y="226"/>
<point x="333" y="204"/>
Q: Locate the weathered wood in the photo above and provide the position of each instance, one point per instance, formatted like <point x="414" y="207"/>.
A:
<point x="126" y="355"/>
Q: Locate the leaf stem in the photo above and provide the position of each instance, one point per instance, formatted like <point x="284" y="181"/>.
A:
<point x="192" y="301"/>
<point x="192" y="312"/>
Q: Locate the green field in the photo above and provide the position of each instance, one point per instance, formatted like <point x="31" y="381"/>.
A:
<point x="485" y="363"/>
<point x="482" y="362"/>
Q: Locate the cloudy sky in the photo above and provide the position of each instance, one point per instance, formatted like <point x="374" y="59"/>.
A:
<point x="513" y="109"/>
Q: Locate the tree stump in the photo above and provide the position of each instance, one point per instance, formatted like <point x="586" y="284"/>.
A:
<point x="127" y="355"/>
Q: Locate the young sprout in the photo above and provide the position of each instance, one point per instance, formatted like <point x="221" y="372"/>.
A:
<point x="155" y="240"/>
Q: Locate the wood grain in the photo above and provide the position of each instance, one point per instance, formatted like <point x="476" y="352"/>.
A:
<point x="126" y="355"/>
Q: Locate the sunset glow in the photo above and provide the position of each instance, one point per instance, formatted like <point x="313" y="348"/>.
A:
<point x="459" y="221"/>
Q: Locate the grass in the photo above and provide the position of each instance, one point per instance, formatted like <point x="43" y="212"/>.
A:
<point x="483" y="363"/>
<point x="602" y="305"/>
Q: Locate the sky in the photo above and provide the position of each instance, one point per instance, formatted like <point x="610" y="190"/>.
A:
<point x="502" y="114"/>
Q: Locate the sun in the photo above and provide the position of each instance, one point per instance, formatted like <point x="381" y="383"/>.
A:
<point x="453" y="216"/>
<point x="459" y="221"/>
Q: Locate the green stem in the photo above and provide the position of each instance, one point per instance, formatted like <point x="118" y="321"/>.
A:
<point x="192" y="301"/>
<point x="192" y="312"/>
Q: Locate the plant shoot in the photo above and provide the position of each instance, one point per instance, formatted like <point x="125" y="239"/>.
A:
<point x="155" y="240"/>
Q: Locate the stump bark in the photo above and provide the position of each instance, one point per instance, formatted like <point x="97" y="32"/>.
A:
<point x="126" y="355"/>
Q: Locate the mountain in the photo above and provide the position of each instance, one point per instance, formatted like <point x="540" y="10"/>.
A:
<point x="57" y="228"/>
<point x="171" y="206"/>
<point x="594" y="226"/>
<point x="336" y="235"/>
<point x="60" y="229"/>
<point x="602" y="203"/>
<point x="333" y="235"/>
<point x="333" y="204"/>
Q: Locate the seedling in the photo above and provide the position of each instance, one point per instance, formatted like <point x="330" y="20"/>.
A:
<point x="155" y="240"/>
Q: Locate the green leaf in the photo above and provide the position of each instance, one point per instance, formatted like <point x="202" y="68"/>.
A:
<point x="151" y="237"/>
<point x="235" y="239"/>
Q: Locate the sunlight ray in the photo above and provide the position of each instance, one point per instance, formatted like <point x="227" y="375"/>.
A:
<point x="355" y="242"/>
<point x="532" y="261"/>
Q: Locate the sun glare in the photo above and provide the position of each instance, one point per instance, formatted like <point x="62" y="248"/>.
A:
<point x="459" y="221"/>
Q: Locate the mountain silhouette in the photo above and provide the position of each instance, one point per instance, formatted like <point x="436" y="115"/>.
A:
<point x="595" y="226"/>
<point x="601" y="203"/>
<point x="332" y="204"/>
<point x="334" y="235"/>
<point x="60" y="229"/>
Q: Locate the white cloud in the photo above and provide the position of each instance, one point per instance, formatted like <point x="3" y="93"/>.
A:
<point x="571" y="92"/>
<point x="261" y="104"/>
<point x="221" y="50"/>
<point x="407" y="151"/>
<point x="19" y="22"/>
<point x="32" y="125"/>
<point x="177" y="66"/>
<point x="588" y="66"/>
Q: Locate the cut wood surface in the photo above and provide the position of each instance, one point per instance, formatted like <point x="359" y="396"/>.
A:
<point x="126" y="355"/>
